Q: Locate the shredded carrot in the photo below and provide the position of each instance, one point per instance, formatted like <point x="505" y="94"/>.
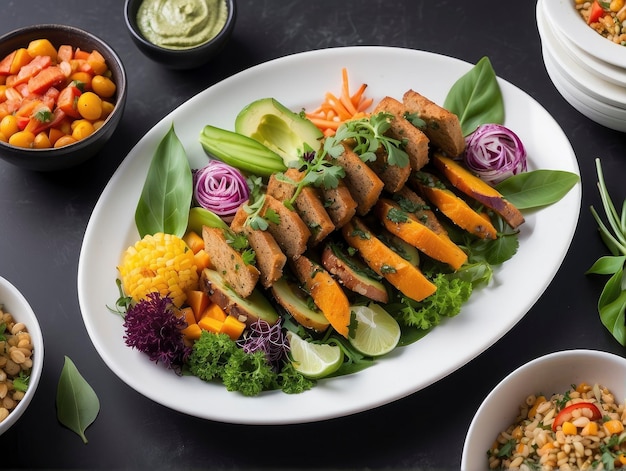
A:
<point x="335" y="111"/>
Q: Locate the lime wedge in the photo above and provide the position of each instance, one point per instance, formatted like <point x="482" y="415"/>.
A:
<point x="314" y="360"/>
<point x="376" y="333"/>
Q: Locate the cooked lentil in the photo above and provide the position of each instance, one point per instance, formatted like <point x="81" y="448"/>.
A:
<point x="579" y="443"/>
<point x="16" y="362"/>
<point x="611" y="24"/>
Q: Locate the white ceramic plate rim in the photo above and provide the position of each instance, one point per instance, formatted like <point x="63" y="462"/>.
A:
<point x="590" y="63"/>
<point x="564" y="16"/>
<point x="592" y="109"/>
<point x="17" y="305"/>
<point x="551" y="373"/>
<point x="589" y="83"/>
<point x="300" y="81"/>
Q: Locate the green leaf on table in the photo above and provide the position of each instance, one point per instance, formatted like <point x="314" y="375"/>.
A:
<point x="607" y="265"/>
<point x="76" y="401"/>
<point x="166" y="196"/>
<point x="612" y="305"/>
<point x="476" y="98"/>
<point x="537" y="188"/>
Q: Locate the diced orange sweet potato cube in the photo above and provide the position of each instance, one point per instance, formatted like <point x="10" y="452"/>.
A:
<point x="215" y="311"/>
<point x="233" y="327"/>
<point x="202" y="259"/>
<point x="198" y="301"/>
<point x="194" y="241"/>
<point x="210" y="324"/>
<point x="187" y="314"/>
<point x="192" y="332"/>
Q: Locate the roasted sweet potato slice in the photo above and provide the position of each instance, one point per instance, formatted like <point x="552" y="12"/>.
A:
<point x="408" y="228"/>
<point x="405" y="276"/>
<point x="326" y="292"/>
<point x="455" y="208"/>
<point x="468" y="183"/>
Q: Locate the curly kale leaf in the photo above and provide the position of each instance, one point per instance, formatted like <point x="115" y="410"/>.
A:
<point x="451" y="294"/>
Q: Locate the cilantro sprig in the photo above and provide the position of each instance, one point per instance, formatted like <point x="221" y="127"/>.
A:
<point x="368" y="134"/>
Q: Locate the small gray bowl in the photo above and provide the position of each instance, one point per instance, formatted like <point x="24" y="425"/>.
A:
<point x="81" y="151"/>
<point x="179" y="58"/>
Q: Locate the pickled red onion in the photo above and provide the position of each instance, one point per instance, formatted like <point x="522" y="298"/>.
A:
<point x="494" y="153"/>
<point x="220" y="188"/>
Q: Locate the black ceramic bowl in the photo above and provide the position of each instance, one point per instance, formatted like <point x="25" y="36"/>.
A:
<point x="179" y="58"/>
<point x="73" y="154"/>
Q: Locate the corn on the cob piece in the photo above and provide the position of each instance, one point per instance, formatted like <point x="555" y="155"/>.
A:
<point x="159" y="262"/>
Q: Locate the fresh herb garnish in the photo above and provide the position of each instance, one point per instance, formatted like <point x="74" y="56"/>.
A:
<point x="167" y="192"/>
<point x="368" y="134"/>
<point x="537" y="188"/>
<point x="612" y="302"/>
<point x="476" y="98"/>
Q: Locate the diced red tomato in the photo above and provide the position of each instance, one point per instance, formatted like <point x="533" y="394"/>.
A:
<point x="46" y="78"/>
<point x="32" y="68"/>
<point x="596" y="13"/>
<point x="67" y="101"/>
<point x="565" y="414"/>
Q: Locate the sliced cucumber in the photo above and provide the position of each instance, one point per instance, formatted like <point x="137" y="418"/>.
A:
<point x="278" y="128"/>
<point x="239" y="151"/>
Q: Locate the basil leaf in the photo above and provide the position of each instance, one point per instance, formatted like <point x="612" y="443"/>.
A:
<point x="537" y="188"/>
<point x="77" y="403"/>
<point x="167" y="192"/>
<point x="476" y="98"/>
<point x="612" y="305"/>
<point x="607" y="265"/>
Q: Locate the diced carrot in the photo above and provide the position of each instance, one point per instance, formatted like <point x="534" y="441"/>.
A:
<point x="67" y="101"/>
<point x="48" y="77"/>
<point x="5" y="64"/>
<point x="211" y="324"/>
<point x="213" y="310"/>
<point x="65" y="53"/>
<point x="198" y="301"/>
<point x="591" y="429"/>
<point x="233" y="327"/>
<point x="32" y="68"/>
<point x="569" y="428"/>
<point x="79" y="54"/>
<point x="202" y="259"/>
<point x="194" y="241"/>
<point x="192" y="332"/>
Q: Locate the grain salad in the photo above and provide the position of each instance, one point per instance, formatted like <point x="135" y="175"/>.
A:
<point x="580" y="429"/>
<point x="605" y="17"/>
<point x="16" y="351"/>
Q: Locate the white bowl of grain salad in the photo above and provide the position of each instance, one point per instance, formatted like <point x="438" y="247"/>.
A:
<point x="562" y="409"/>
<point x="21" y="354"/>
<point x="604" y="37"/>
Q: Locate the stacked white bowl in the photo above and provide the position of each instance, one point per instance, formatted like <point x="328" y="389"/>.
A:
<point x="588" y="70"/>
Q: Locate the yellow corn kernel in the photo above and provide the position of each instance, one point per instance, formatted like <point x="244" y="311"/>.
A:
<point x="583" y="388"/>
<point x="545" y="448"/>
<point x="159" y="263"/>
<point x="591" y="429"/>
<point x="613" y="426"/>
<point x="569" y="428"/>
<point x="533" y="410"/>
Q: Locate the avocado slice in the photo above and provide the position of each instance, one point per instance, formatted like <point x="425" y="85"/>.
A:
<point x="248" y="310"/>
<point x="281" y="130"/>
<point x="289" y="295"/>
